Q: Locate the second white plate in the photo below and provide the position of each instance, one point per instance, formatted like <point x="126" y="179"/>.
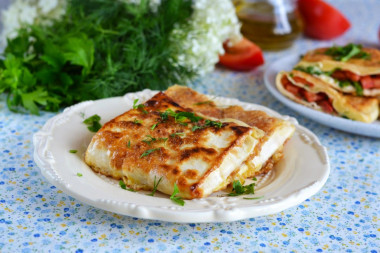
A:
<point x="356" y="127"/>
<point x="300" y="174"/>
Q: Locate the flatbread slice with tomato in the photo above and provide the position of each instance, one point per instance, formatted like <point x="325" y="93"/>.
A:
<point x="313" y="92"/>
<point x="357" y="72"/>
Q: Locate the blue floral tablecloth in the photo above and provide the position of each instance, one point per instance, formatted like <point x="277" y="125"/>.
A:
<point x="343" y="217"/>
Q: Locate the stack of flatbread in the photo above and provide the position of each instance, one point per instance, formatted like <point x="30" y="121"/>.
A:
<point x="185" y="140"/>
<point x="342" y="81"/>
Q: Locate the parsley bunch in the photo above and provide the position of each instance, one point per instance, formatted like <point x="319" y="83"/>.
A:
<point x="99" y="49"/>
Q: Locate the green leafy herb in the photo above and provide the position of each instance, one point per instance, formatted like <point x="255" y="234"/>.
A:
<point x="344" y="83"/>
<point x="176" y="134"/>
<point x="310" y="70"/>
<point x="174" y="198"/>
<point x="124" y="186"/>
<point x="358" y="88"/>
<point x="129" y="144"/>
<point x="344" y="53"/>
<point x="148" y="152"/>
<point x="149" y="139"/>
<point x="79" y="174"/>
<point x="73" y="151"/>
<point x="93" y="123"/>
<point x="239" y="189"/>
<point x="97" y="49"/>
<point x="197" y="127"/>
<point x="211" y="123"/>
<point x="154" y="126"/>
<point x="140" y="106"/>
<point x="137" y="121"/>
<point x="155" y="185"/>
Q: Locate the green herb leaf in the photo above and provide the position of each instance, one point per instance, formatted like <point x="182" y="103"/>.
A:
<point x="79" y="174"/>
<point x="129" y="144"/>
<point x="174" y="198"/>
<point x="358" y="88"/>
<point x="73" y="151"/>
<point x="344" y="53"/>
<point x="176" y="134"/>
<point x="211" y="123"/>
<point x="124" y="186"/>
<point x="93" y="123"/>
<point x="155" y="185"/>
<point x="121" y="47"/>
<point x="140" y="106"/>
<point x="137" y="121"/>
<point x="239" y="189"/>
<point x="154" y="126"/>
<point x="148" y="152"/>
<point x="149" y="139"/>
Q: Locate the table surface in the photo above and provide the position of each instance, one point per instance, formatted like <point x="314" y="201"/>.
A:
<point x="344" y="216"/>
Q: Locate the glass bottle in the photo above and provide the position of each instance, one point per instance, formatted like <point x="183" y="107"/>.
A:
<point x="271" y="24"/>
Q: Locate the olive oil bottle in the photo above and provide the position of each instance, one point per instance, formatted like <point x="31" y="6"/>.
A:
<point x="271" y="24"/>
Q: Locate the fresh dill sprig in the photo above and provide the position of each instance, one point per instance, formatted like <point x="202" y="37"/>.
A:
<point x="155" y="185"/>
<point x="176" y="199"/>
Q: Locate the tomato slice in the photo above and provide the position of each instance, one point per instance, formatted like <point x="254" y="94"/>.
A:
<point x="243" y="56"/>
<point x="366" y="82"/>
<point x="312" y="97"/>
<point x="376" y="82"/>
<point x="326" y="106"/>
<point x="322" y="21"/>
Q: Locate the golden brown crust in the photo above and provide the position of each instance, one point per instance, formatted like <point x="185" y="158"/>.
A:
<point x="254" y="118"/>
<point x="318" y="55"/>
<point x="128" y="137"/>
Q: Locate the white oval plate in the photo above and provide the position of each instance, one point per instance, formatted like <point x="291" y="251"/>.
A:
<point x="356" y="127"/>
<point x="302" y="172"/>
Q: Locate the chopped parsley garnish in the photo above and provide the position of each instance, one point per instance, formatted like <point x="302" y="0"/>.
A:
<point x="136" y="121"/>
<point x="174" y="198"/>
<point x="124" y="186"/>
<point x="217" y="124"/>
<point x="310" y="70"/>
<point x="79" y="174"/>
<point x="239" y="189"/>
<point x="155" y="185"/>
<point x="208" y="123"/>
<point x="73" y="151"/>
<point x="148" y="152"/>
<point x="358" y="88"/>
<point x="139" y="107"/>
<point x="93" y="123"/>
<point x="347" y="52"/>
<point x="129" y="144"/>
<point x="179" y="117"/>
<point x="196" y="127"/>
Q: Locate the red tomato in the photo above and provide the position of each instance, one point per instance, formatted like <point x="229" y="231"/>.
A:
<point x="312" y="97"/>
<point x="326" y="106"/>
<point x="376" y="82"/>
<point x="366" y="82"/>
<point x="244" y="55"/>
<point x="322" y="21"/>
